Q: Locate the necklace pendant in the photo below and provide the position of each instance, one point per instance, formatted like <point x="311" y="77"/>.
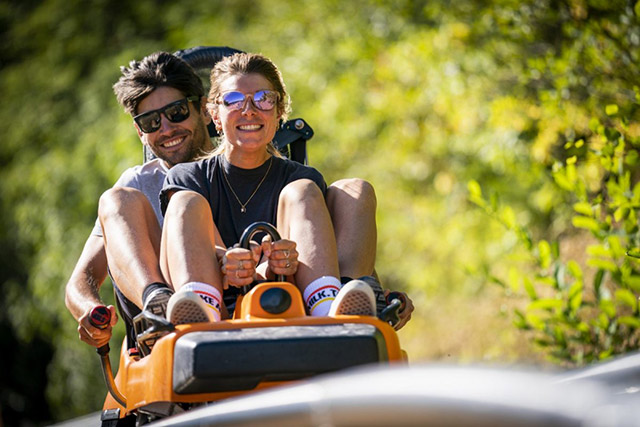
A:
<point x="243" y="209"/>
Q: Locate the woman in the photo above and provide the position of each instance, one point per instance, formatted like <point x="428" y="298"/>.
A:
<point x="245" y="180"/>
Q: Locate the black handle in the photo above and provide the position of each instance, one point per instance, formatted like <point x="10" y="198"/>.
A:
<point x="249" y="232"/>
<point x="100" y="317"/>
<point x="396" y="303"/>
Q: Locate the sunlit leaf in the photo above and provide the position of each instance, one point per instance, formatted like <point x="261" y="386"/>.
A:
<point x="546" y="304"/>
<point x="585" y="222"/>
<point x="634" y="322"/>
<point x="611" y="110"/>
<point x="583" y="208"/>
<point x="626" y="297"/>
<point x="602" y="264"/>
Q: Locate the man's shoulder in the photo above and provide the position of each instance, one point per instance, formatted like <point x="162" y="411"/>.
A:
<point x="151" y="170"/>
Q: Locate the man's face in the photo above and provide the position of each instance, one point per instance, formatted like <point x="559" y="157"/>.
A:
<point x="175" y="142"/>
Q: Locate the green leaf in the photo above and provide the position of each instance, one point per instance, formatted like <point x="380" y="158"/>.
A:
<point x="616" y="248"/>
<point x="631" y="321"/>
<point x="583" y="208"/>
<point x="603" y="264"/>
<point x="475" y="193"/>
<point x="632" y="281"/>
<point x="587" y="223"/>
<point x="575" y="296"/>
<point x="535" y="321"/>
<point x="563" y="182"/>
<point x="574" y="269"/>
<point x="508" y="217"/>
<point x="626" y="297"/>
<point x="634" y="252"/>
<point x="599" y="251"/>
<point x="611" y="110"/>
<point x="544" y="252"/>
<point x="621" y="213"/>
<point x="546" y="304"/>
<point x="520" y="321"/>
<point x="607" y="308"/>
<point x="531" y="290"/>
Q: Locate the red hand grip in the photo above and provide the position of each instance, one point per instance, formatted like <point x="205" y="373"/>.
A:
<point x="100" y="317"/>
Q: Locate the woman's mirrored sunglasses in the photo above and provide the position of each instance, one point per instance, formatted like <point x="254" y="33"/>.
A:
<point x="263" y="100"/>
<point x="175" y="112"/>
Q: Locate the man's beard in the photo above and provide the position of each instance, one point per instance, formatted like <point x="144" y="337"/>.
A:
<point x="199" y="146"/>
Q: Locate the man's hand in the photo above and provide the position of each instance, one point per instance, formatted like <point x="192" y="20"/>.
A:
<point x="94" y="336"/>
<point x="405" y="314"/>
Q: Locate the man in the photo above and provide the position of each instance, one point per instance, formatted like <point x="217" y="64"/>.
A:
<point x="166" y="99"/>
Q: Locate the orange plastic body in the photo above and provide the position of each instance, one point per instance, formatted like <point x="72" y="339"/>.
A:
<point x="146" y="380"/>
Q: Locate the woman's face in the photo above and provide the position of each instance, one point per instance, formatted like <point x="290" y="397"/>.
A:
<point x="248" y="129"/>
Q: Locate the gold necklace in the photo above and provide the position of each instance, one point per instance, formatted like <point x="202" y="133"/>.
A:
<point x="243" y="206"/>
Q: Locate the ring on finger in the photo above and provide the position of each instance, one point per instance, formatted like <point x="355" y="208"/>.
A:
<point x="286" y="253"/>
<point x="288" y="264"/>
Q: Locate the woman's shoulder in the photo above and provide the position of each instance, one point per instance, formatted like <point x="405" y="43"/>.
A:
<point x="197" y="166"/>
<point x="294" y="166"/>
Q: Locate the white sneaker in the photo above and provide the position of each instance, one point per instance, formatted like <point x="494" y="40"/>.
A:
<point x="188" y="307"/>
<point x="355" y="298"/>
<point x="157" y="302"/>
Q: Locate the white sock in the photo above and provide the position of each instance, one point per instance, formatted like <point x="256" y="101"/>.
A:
<point x="210" y="295"/>
<point x="320" y="293"/>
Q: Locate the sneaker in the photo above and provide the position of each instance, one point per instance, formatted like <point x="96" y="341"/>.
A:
<point x="381" y="300"/>
<point x="355" y="298"/>
<point x="157" y="301"/>
<point x="187" y="307"/>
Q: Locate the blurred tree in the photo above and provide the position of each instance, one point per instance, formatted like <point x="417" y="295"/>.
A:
<point x="417" y="96"/>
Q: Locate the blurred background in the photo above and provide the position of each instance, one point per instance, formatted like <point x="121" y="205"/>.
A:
<point x="501" y="138"/>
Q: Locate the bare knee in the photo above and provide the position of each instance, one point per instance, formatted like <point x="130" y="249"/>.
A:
<point x="352" y="193"/>
<point x="301" y="192"/>
<point x="120" y="199"/>
<point x="186" y="202"/>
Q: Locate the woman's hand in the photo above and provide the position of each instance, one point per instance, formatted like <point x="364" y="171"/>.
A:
<point x="282" y="256"/>
<point x="238" y="265"/>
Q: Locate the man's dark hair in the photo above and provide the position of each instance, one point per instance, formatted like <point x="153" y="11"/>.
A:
<point x="159" y="69"/>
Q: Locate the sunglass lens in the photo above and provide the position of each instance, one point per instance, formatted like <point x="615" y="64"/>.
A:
<point x="178" y="112"/>
<point x="233" y="100"/>
<point x="264" y="100"/>
<point x="149" y="122"/>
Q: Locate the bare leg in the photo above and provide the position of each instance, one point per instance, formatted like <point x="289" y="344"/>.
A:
<point x="352" y="205"/>
<point x="188" y="249"/>
<point x="303" y="218"/>
<point x="132" y="240"/>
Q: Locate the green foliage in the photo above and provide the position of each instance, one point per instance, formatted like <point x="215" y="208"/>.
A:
<point x="420" y="97"/>
<point x="582" y="313"/>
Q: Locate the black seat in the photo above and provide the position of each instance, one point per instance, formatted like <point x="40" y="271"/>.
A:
<point x="291" y="139"/>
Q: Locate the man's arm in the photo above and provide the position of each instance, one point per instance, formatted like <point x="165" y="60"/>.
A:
<point x="82" y="291"/>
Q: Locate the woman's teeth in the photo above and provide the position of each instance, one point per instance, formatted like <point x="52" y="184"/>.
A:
<point x="249" y="127"/>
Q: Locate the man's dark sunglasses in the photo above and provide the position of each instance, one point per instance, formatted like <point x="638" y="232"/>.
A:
<point x="175" y="112"/>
